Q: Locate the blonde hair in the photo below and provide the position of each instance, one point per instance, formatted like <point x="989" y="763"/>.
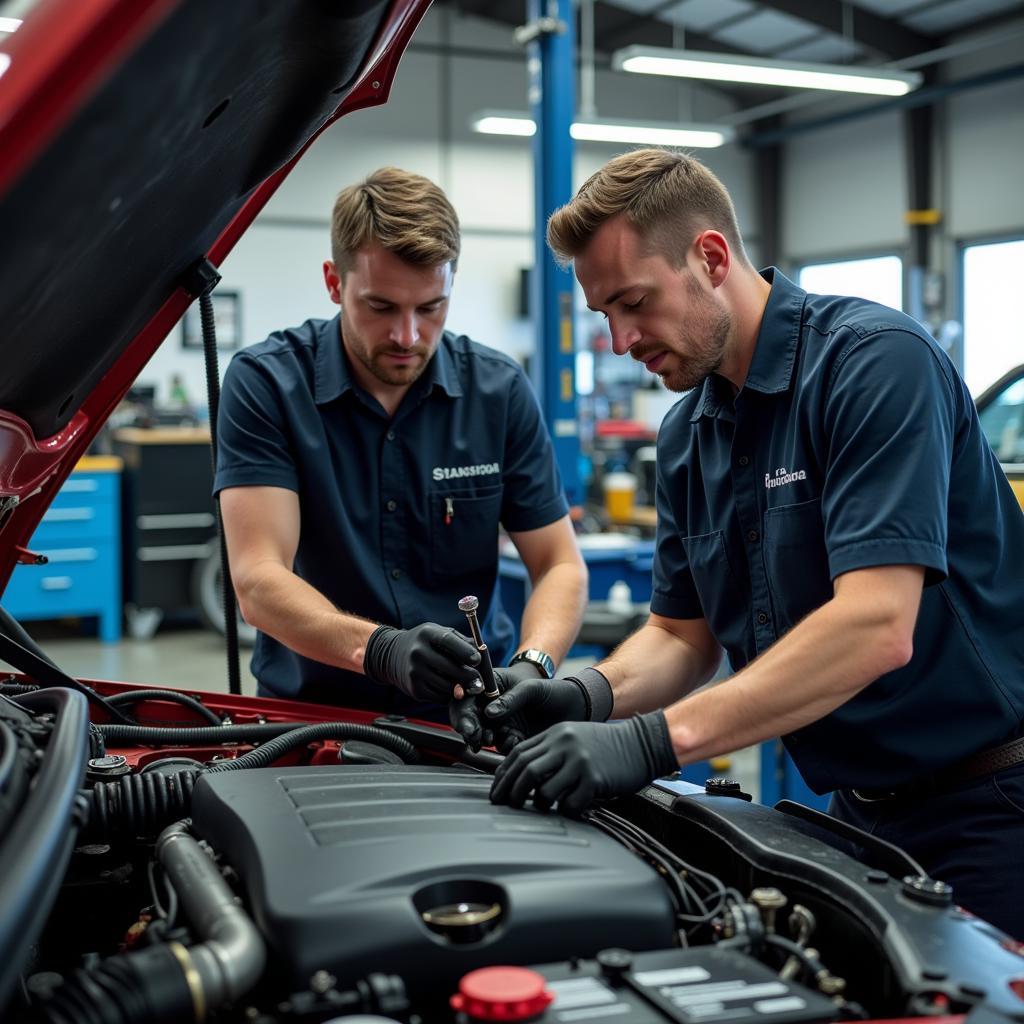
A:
<point x="405" y="212"/>
<point x="667" y="196"/>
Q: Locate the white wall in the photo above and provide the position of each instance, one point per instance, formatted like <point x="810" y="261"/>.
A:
<point x="425" y="128"/>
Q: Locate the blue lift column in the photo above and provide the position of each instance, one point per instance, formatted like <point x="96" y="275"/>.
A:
<point x="549" y="37"/>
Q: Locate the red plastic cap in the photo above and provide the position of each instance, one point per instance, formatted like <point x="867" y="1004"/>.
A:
<point x="502" y="993"/>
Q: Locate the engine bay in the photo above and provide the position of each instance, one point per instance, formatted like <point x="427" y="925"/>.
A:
<point x="157" y="867"/>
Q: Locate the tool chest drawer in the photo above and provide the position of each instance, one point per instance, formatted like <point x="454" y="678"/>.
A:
<point x="80" y="535"/>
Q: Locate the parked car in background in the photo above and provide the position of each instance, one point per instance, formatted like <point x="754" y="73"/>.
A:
<point x="1001" y="408"/>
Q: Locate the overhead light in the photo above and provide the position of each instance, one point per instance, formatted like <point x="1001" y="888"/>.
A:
<point x="719" y="67"/>
<point x="9" y="24"/>
<point x="494" y="123"/>
<point x="653" y="133"/>
<point x="594" y="129"/>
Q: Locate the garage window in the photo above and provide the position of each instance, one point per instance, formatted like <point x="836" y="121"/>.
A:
<point x="879" y="278"/>
<point x="993" y="321"/>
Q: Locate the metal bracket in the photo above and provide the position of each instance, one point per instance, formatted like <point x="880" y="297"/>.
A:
<point x="546" y="26"/>
<point x="200" y="278"/>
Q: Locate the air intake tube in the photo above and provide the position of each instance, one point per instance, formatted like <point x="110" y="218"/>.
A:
<point x="171" y="983"/>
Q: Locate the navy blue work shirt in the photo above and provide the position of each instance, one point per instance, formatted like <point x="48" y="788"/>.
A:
<point x="399" y="515"/>
<point x="852" y="443"/>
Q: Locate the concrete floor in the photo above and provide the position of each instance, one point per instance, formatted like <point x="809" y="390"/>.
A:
<point x="189" y="657"/>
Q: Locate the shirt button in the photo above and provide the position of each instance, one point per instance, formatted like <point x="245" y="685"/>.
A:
<point x="752" y="535"/>
<point x="396" y="574"/>
<point x="390" y="435"/>
<point x="744" y="461"/>
<point x="391" y="505"/>
<point x="762" y="617"/>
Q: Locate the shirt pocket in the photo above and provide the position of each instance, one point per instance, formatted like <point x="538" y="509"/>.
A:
<point x="713" y="577"/>
<point x="796" y="561"/>
<point x="464" y="530"/>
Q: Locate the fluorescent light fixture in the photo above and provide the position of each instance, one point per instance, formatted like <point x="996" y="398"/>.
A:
<point x="9" y="24"/>
<point x="492" y="122"/>
<point x="594" y="129"/>
<point x="719" y="67"/>
<point x="651" y="133"/>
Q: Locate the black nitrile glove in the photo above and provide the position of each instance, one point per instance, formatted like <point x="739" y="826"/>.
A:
<point x="533" y="705"/>
<point x="573" y="763"/>
<point x="425" y="662"/>
<point x="466" y="715"/>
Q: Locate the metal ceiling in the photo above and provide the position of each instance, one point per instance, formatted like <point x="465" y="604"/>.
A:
<point x="867" y="32"/>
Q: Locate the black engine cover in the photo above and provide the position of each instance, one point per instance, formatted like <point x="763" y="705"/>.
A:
<point x="341" y="863"/>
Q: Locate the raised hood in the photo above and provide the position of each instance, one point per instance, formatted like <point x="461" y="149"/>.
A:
<point x="136" y="138"/>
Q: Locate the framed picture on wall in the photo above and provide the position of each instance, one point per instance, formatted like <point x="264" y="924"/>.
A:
<point x="227" y="320"/>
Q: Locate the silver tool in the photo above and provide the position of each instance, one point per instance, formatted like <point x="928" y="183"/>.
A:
<point x="468" y="606"/>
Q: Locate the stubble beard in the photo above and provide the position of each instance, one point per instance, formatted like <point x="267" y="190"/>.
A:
<point x="703" y="342"/>
<point x="397" y="376"/>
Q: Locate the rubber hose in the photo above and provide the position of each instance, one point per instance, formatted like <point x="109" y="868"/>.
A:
<point x="172" y="696"/>
<point x="263" y="757"/>
<point x="259" y="733"/>
<point x="17" y="689"/>
<point x="138" y="805"/>
<point x="145" y="985"/>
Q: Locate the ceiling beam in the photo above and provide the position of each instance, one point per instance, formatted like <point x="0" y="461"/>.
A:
<point x="886" y="35"/>
<point x="615" y="27"/>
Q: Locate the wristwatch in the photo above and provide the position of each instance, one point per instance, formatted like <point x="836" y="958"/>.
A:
<point x="542" y="660"/>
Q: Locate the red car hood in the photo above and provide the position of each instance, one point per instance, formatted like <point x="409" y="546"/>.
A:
<point x="136" y="138"/>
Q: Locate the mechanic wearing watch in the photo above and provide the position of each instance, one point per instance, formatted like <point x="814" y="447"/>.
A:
<point x="365" y="467"/>
<point x="831" y="515"/>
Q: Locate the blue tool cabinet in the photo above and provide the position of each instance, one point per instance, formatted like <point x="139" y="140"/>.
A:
<point x="80" y="534"/>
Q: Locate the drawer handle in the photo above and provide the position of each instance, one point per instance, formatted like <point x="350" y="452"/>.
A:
<point x="71" y="555"/>
<point x="175" y="522"/>
<point x="80" y="486"/>
<point x="174" y="552"/>
<point x="56" y="583"/>
<point x="68" y="515"/>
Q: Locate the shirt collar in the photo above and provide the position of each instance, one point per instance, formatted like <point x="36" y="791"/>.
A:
<point x="771" y="369"/>
<point x="333" y="377"/>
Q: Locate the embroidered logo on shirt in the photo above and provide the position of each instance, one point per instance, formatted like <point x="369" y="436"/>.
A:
<point x="783" y="476"/>
<point x="457" y="472"/>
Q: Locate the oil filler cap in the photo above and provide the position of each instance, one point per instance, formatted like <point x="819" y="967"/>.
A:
<point x="502" y="993"/>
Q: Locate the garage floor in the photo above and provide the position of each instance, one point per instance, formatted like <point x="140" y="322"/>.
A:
<point x="188" y="657"/>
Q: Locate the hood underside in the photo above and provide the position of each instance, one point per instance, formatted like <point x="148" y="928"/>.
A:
<point x="137" y="138"/>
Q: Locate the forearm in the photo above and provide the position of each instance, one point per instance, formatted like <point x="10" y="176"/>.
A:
<point x="552" y="617"/>
<point x="280" y="604"/>
<point x="655" y="667"/>
<point x="823" y="662"/>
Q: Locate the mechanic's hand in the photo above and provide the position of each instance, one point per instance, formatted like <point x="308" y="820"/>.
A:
<point x="466" y="714"/>
<point x="532" y="705"/>
<point x="425" y="662"/>
<point x="576" y="762"/>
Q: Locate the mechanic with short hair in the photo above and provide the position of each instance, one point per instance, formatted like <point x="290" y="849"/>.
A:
<point x="365" y="464"/>
<point x="829" y="513"/>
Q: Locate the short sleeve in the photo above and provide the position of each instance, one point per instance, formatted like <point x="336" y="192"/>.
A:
<point x="889" y="417"/>
<point x="252" y="441"/>
<point x="533" y="495"/>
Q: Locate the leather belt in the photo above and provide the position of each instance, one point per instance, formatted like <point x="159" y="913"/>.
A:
<point x="985" y="762"/>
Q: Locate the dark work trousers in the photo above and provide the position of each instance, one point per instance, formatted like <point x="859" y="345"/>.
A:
<point x="971" y="835"/>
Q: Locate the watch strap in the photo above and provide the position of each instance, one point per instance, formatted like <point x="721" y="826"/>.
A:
<point x="537" y="657"/>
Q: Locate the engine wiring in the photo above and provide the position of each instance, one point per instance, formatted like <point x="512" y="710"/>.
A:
<point x="699" y="897"/>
